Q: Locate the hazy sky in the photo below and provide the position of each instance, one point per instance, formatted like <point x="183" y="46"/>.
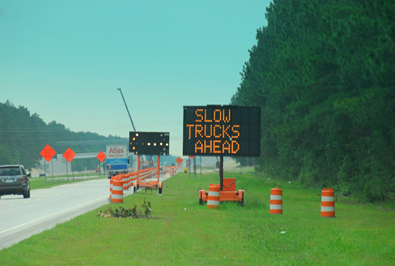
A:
<point x="64" y="60"/>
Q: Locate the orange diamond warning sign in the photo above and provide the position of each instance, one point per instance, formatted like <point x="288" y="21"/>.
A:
<point x="101" y="156"/>
<point x="47" y="153"/>
<point x="179" y="160"/>
<point x="69" y="155"/>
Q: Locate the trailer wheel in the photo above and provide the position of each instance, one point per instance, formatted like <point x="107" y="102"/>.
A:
<point x="200" y="201"/>
<point x="160" y="191"/>
<point x="134" y="190"/>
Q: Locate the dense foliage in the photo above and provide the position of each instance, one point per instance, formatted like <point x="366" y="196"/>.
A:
<point x="23" y="136"/>
<point x="144" y="212"/>
<point x="323" y="73"/>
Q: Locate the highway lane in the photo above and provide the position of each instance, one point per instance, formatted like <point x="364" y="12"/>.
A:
<point x="21" y="218"/>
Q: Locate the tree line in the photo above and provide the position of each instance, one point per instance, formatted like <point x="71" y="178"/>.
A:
<point x="323" y="73"/>
<point x="23" y="136"/>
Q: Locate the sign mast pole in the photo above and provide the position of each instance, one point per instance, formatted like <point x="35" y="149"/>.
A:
<point x="189" y="167"/>
<point x="194" y="167"/>
<point x="221" y="171"/>
<point x="45" y="173"/>
<point x="138" y="169"/>
<point x="47" y="153"/>
<point x="126" y="108"/>
<point x="158" y="168"/>
<point x="201" y="178"/>
<point x="52" y="170"/>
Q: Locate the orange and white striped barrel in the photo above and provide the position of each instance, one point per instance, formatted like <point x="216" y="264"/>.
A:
<point x="110" y="187"/>
<point x="117" y="191"/>
<point x="124" y="182"/>
<point x="214" y="196"/>
<point x="328" y="203"/>
<point x="276" y="201"/>
<point x="129" y="180"/>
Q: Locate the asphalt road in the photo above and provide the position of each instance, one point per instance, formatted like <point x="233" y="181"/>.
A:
<point x="21" y="218"/>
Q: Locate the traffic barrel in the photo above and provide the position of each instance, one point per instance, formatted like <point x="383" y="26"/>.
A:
<point x="328" y="203"/>
<point x="124" y="182"/>
<point x="110" y="187"/>
<point x="276" y="201"/>
<point x="117" y="191"/>
<point x="129" y="180"/>
<point x="214" y="196"/>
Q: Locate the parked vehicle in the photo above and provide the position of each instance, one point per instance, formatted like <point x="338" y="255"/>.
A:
<point x="14" y="180"/>
<point x="42" y="173"/>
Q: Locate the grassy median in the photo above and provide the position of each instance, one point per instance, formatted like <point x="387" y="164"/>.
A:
<point x="187" y="233"/>
<point x="49" y="181"/>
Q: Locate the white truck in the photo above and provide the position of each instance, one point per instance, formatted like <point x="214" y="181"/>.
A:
<point x="116" y="160"/>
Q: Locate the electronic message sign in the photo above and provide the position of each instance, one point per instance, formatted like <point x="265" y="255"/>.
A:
<point x="149" y="143"/>
<point x="222" y="130"/>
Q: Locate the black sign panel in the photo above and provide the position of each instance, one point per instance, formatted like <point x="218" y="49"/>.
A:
<point x="149" y="143"/>
<point x="222" y="130"/>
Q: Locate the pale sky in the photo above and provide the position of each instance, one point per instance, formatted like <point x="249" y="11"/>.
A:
<point x="64" y="60"/>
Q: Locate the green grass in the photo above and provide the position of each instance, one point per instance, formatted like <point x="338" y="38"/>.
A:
<point x="39" y="182"/>
<point x="232" y="235"/>
<point x="77" y="174"/>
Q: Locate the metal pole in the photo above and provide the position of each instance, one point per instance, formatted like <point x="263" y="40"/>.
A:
<point x="67" y="172"/>
<point x="52" y="170"/>
<point x="194" y="167"/>
<point x="221" y="171"/>
<point x="201" y="178"/>
<point x="158" y="168"/>
<point x="45" y="174"/>
<point x="71" y="169"/>
<point x="189" y="167"/>
<point x="126" y="108"/>
<point x="138" y="169"/>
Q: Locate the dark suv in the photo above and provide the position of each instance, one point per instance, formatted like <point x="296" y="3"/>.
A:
<point x="14" y="179"/>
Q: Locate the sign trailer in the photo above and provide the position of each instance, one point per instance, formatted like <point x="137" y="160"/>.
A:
<point x="226" y="130"/>
<point x="149" y="143"/>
